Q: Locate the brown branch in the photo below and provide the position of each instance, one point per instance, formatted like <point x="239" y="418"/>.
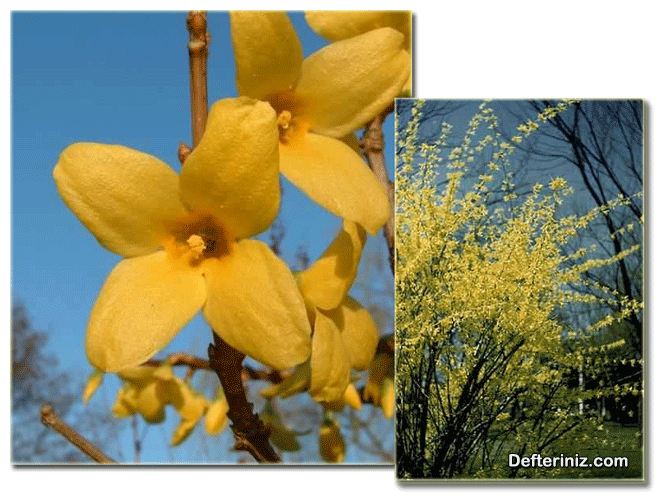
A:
<point x="194" y="363"/>
<point x="249" y="432"/>
<point x="198" y="52"/>
<point x="50" y="419"/>
<point x="372" y="147"/>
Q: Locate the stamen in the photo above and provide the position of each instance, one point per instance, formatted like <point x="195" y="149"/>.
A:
<point x="197" y="246"/>
<point x="284" y="119"/>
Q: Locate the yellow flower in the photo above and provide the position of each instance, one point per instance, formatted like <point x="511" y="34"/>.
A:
<point x="320" y="100"/>
<point x="345" y="335"/>
<point x="184" y="242"/>
<point x="93" y="383"/>
<point x="148" y="389"/>
<point x="216" y="415"/>
<point x="380" y="386"/>
<point x="557" y="183"/>
<point x="337" y="25"/>
<point x="351" y="398"/>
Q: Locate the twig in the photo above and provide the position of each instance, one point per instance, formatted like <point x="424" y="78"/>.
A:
<point x="194" y="363"/>
<point x="50" y="419"/>
<point x="372" y="146"/>
<point x="250" y="433"/>
<point x="198" y="52"/>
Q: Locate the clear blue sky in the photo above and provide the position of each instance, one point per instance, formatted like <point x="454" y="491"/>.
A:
<point x="110" y="78"/>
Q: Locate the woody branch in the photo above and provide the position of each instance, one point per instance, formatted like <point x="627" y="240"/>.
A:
<point x="250" y="433"/>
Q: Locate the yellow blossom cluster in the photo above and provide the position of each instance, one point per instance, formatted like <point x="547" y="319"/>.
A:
<point x="473" y="277"/>
<point x="186" y="239"/>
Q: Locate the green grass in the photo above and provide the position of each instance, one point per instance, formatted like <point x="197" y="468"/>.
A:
<point x="613" y="440"/>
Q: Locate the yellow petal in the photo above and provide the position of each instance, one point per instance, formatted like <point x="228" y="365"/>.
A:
<point x="138" y="375"/>
<point x="233" y="172"/>
<point x="124" y="197"/>
<point x="150" y="403"/>
<point x="335" y="177"/>
<point x="349" y="82"/>
<point x="182" y="431"/>
<point x="267" y="52"/>
<point x="191" y="405"/>
<point x="143" y="304"/>
<point x="330" y="367"/>
<point x="352" y="398"/>
<point x="360" y="334"/>
<point x="326" y="282"/>
<point x="255" y="306"/>
<point x="125" y="404"/>
<point x="296" y="382"/>
<point x="381" y="368"/>
<point x="339" y="25"/>
<point x="331" y="442"/>
<point x="93" y="382"/>
<point x="387" y="398"/>
<point x="216" y="416"/>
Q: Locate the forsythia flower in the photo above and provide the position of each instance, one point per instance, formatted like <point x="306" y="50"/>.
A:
<point x="380" y="386"/>
<point x="319" y="100"/>
<point x="216" y="415"/>
<point x="184" y="242"/>
<point x="345" y="336"/>
<point x="147" y="390"/>
<point x="93" y="383"/>
<point x="557" y="183"/>
<point x="337" y="25"/>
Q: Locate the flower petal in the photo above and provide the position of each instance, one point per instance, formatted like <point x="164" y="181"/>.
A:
<point x="330" y="367"/>
<point x="360" y="334"/>
<point x="151" y="403"/>
<point x="341" y="24"/>
<point x="326" y="282"/>
<point x="216" y="416"/>
<point x="254" y="305"/>
<point x="124" y="197"/>
<point x="93" y="383"/>
<point x="387" y="398"/>
<point x="335" y="177"/>
<point x="126" y="402"/>
<point x="267" y="52"/>
<point x="349" y="82"/>
<point x="296" y="382"/>
<point x="143" y="304"/>
<point x="233" y="171"/>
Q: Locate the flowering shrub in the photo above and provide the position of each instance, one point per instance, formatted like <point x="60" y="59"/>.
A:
<point x="483" y="275"/>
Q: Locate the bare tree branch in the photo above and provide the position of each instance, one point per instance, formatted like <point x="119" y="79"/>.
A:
<point x="52" y="421"/>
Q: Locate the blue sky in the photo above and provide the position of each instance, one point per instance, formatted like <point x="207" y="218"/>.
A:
<point x="111" y="78"/>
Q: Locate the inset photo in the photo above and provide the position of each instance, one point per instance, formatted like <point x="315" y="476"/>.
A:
<point x="519" y="290"/>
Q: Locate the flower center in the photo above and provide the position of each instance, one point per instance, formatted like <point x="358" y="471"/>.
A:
<point x="284" y="119"/>
<point x="287" y="125"/>
<point x="288" y="109"/>
<point x="198" y="236"/>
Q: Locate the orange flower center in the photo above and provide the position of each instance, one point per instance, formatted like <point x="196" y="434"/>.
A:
<point x="288" y="109"/>
<point x="198" y="236"/>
